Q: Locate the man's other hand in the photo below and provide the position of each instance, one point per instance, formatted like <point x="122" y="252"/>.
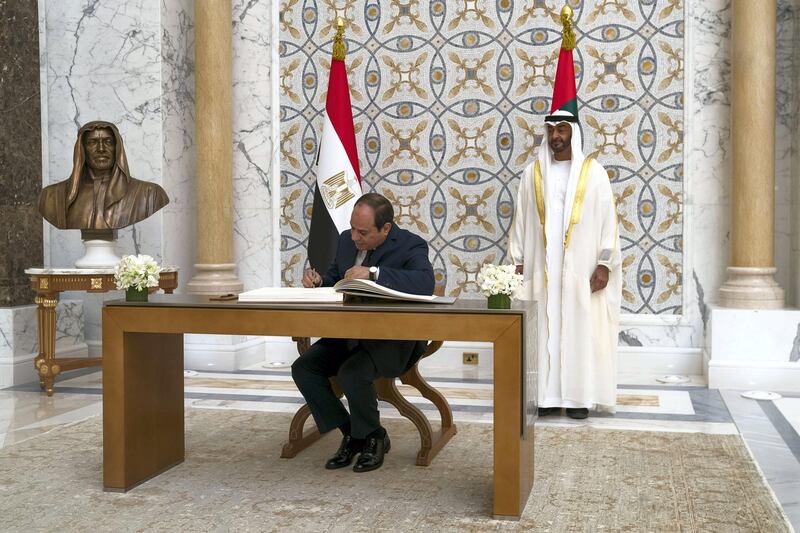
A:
<point x="519" y="269"/>
<point x="599" y="278"/>
<point x="311" y="279"/>
<point x="357" y="272"/>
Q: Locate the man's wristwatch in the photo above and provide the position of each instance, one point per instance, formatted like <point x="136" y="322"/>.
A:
<point x="373" y="273"/>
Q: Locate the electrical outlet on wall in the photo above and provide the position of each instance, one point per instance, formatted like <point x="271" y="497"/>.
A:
<point x="470" y="358"/>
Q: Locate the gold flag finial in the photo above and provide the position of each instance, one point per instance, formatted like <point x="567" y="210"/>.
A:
<point x="339" y="48"/>
<point x="568" y="40"/>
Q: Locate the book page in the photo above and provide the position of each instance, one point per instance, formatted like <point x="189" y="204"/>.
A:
<point x="292" y="294"/>
<point x="363" y="287"/>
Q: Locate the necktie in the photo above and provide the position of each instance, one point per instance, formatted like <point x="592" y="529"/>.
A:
<point x="367" y="258"/>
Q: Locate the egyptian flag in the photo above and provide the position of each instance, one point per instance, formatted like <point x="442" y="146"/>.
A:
<point x="565" y="96"/>
<point x="338" y="183"/>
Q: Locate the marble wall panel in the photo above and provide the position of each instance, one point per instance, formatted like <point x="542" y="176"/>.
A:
<point x="20" y="153"/>
<point x="19" y="337"/>
<point x="707" y="201"/>
<point x="177" y="125"/>
<point x="708" y="153"/>
<point x="786" y="108"/>
<point x="252" y="138"/>
<point x="795" y="245"/>
<point x="252" y="142"/>
<point x="103" y="64"/>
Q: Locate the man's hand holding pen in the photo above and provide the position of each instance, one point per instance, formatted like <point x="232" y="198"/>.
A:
<point x="311" y="278"/>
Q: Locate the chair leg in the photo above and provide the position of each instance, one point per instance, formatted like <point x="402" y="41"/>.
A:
<point x="387" y="391"/>
<point x="299" y="441"/>
<point x="448" y="429"/>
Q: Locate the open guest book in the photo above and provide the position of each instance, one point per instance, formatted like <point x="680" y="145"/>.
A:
<point x="370" y="289"/>
<point x="351" y="287"/>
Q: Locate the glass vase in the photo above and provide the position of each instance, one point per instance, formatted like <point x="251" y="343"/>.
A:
<point x="500" y="301"/>
<point x="133" y="294"/>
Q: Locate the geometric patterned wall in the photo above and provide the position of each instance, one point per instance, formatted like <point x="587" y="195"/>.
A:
<point x="448" y="100"/>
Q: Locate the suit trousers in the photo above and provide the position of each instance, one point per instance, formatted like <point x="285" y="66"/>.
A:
<point x="355" y="372"/>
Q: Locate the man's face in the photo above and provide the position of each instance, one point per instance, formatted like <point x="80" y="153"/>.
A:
<point x="100" y="147"/>
<point x="363" y="231"/>
<point x="559" y="137"/>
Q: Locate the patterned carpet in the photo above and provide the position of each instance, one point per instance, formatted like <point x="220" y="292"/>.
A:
<point x="233" y="480"/>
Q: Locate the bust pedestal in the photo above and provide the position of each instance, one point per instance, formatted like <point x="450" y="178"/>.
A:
<point x="100" y="249"/>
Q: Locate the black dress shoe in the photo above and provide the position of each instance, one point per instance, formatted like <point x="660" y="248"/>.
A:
<point x="371" y="456"/>
<point x="348" y="449"/>
<point x="545" y="411"/>
<point x="578" y="413"/>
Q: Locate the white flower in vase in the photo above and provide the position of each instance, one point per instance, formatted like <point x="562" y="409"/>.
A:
<point x="138" y="272"/>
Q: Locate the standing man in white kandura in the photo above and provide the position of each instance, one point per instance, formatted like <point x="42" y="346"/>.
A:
<point x="564" y="241"/>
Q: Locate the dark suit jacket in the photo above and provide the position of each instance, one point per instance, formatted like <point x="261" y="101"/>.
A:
<point x="404" y="266"/>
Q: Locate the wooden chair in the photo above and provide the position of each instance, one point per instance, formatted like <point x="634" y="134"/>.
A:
<point x="430" y="441"/>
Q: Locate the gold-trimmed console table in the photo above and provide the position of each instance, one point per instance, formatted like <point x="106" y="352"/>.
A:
<point x="48" y="283"/>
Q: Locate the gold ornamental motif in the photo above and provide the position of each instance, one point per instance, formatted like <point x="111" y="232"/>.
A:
<point x="339" y="48"/>
<point x="568" y="39"/>
<point x="44" y="283"/>
<point x="335" y="192"/>
<point x="96" y="283"/>
<point x="405" y="77"/>
<point x="474" y="207"/>
<point x="287" y="216"/>
<point x="580" y="193"/>
<point x="407" y="209"/>
<point x="404" y="98"/>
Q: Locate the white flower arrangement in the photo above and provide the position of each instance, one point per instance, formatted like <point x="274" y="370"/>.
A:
<point x="499" y="279"/>
<point x="136" y="272"/>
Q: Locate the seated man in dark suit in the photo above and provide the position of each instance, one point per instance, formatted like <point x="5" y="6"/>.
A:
<point x="375" y="249"/>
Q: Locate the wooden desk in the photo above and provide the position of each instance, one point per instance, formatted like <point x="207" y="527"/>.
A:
<point x="143" y="419"/>
<point x="48" y="284"/>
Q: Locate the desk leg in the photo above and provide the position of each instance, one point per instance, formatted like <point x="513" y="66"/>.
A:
<point x="143" y="426"/>
<point x="513" y="454"/>
<point x="45" y="363"/>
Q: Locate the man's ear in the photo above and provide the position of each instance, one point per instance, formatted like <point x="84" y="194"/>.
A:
<point x="386" y="227"/>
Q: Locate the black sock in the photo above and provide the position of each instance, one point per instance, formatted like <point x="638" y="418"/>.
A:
<point x="379" y="433"/>
<point x="345" y="429"/>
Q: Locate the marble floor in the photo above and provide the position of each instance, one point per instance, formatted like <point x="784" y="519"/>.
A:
<point x="769" y="428"/>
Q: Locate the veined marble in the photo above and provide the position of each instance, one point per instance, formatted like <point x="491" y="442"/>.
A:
<point x="103" y="64"/>
<point x="707" y="160"/>
<point x="19" y="339"/>
<point x="178" y="151"/>
<point x="71" y="271"/>
<point x="252" y="142"/>
<point x="19" y="336"/>
<point x="18" y="332"/>
<point x="252" y="139"/>
<point x="786" y="113"/>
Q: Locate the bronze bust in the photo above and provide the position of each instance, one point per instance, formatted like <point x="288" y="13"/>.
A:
<point x="100" y="194"/>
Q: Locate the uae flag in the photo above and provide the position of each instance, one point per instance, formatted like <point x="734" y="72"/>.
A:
<point x="338" y="184"/>
<point x="565" y="96"/>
